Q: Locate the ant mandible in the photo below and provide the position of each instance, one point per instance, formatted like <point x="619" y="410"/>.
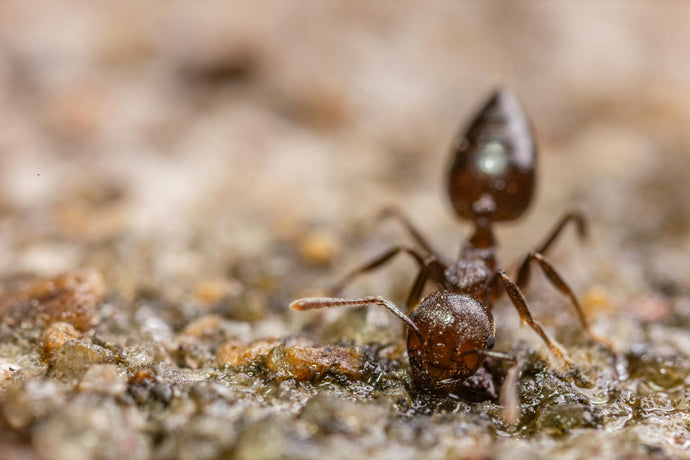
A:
<point x="451" y="331"/>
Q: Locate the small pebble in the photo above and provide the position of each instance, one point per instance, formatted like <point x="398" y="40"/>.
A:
<point x="214" y="291"/>
<point x="104" y="379"/>
<point x="54" y="336"/>
<point x="205" y="327"/>
<point x="318" y="247"/>
<point x="74" y="357"/>
<point x="143" y="377"/>
<point x="596" y="301"/>
<point x="307" y="363"/>
<point x="30" y="401"/>
<point x="8" y="370"/>
<point x="69" y="298"/>
<point x="236" y="354"/>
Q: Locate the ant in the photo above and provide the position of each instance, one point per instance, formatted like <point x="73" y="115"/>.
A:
<point x="451" y="331"/>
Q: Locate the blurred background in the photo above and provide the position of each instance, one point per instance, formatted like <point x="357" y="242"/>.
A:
<point x="169" y="144"/>
<point x="215" y="160"/>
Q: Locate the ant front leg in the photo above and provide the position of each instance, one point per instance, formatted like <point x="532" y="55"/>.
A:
<point x="508" y="395"/>
<point x="433" y="269"/>
<point x="580" y="224"/>
<point x="557" y="281"/>
<point x="520" y="304"/>
<point x="374" y="264"/>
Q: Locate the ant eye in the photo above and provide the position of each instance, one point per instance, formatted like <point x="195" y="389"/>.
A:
<point x="490" y="342"/>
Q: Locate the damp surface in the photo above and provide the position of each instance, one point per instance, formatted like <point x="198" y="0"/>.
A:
<point x="173" y="176"/>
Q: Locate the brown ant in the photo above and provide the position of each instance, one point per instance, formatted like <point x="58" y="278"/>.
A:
<point x="451" y="331"/>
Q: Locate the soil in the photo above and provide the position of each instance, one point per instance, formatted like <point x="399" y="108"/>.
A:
<point x="174" y="174"/>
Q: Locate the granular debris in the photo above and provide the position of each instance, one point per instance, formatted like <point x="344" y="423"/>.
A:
<point x="173" y="176"/>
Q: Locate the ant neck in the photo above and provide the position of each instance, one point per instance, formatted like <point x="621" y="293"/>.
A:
<point x="482" y="243"/>
<point x="483" y="237"/>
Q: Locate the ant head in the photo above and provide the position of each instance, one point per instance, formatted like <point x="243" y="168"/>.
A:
<point x="449" y="324"/>
<point x="492" y="174"/>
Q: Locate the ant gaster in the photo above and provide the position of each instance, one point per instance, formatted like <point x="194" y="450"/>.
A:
<point x="451" y="331"/>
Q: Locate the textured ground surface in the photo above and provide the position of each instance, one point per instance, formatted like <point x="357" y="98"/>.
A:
<point x="172" y="176"/>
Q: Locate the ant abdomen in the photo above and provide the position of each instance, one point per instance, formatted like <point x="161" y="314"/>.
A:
<point x="492" y="173"/>
<point x="452" y="329"/>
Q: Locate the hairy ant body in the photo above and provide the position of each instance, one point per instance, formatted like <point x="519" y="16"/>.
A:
<point x="451" y="331"/>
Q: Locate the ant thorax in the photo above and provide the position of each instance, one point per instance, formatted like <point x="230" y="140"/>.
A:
<point x="471" y="277"/>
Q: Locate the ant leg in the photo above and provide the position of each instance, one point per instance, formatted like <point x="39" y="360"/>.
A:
<point x="400" y="216"/>
<point x="310" y="303"/>
<point x="580" y="224"/>
<point x="373" y="265"/>
<point x="562" y="286"/>
<point x="520" y="304"/>
<point x="508" y="395"/>
<point x="433" y="269"/>
<point x="573" y="216"/>
<point x="417" y="288"/>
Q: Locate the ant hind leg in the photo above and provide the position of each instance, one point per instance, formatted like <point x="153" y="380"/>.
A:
<point x="582" y="231"/>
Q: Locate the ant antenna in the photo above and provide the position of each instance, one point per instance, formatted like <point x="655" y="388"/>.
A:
<point x="311" y="303"/>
